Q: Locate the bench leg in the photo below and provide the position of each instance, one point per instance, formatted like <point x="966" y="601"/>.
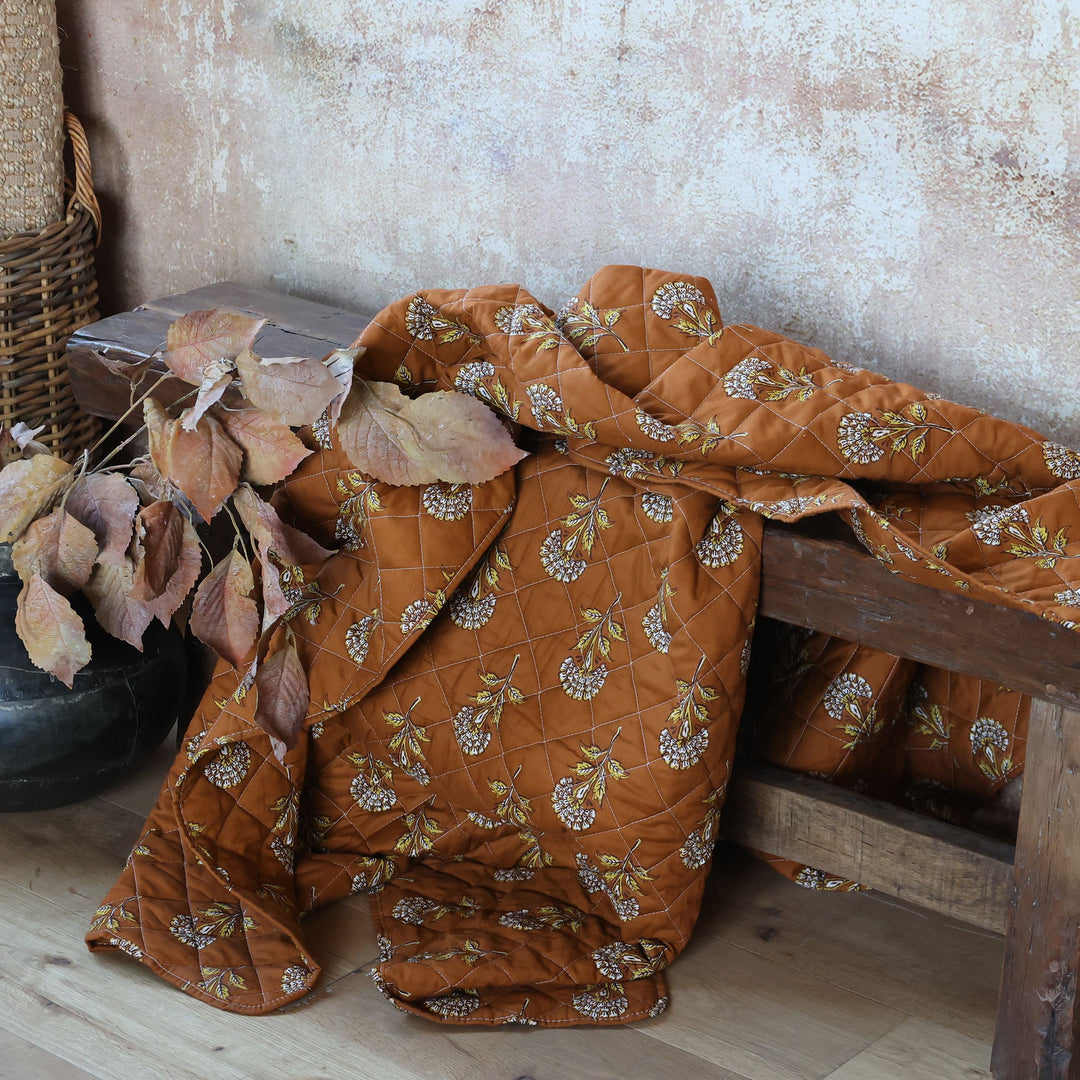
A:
<point x="1037" y="1036"/>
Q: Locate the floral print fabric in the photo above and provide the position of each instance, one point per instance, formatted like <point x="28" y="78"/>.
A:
<point x="525" y="693"/>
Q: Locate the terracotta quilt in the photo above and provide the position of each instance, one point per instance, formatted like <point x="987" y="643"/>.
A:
<point x="525" y="693"/>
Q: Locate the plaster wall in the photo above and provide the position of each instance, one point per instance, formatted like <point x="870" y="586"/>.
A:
<point x="898" y="184"/>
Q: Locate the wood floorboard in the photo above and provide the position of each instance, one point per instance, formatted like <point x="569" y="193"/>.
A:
<point x="918" y="1050"/>
<point x="22" y="1060"/>
<point x="778" y="984"/>
<point x="866" y="944"/>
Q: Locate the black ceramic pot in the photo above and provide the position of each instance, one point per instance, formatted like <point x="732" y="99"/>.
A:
<point x="59" y="745"/>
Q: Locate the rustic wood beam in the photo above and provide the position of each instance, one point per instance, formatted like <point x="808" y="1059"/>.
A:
<point x="1038" y="1021"/>
<point x="919" y="859"/>
<point x="815" y="577"/>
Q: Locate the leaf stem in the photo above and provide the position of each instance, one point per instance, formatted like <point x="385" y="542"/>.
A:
<point x="130" y="409"/>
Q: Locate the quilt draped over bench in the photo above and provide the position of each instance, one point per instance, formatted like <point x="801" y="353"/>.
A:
<point x="525" y="693"/>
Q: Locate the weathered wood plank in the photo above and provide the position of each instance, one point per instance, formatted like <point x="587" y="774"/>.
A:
<point x="1038" y="1019"/>
<point x="919" y="859"/>
<point x="295" y="328"/>
<point x="304" y="316"/>
<point x="833" y="585"/>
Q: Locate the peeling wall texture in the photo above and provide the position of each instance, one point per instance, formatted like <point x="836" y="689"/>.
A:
<point x="898" y="184"/>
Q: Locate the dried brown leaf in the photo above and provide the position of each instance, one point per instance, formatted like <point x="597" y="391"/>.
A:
<point x="118" y="613"/>
<point x="148" y="482"/>
<point x="159" y="536"/>
<point x="271" y="450"/>
<point x="57" y="548"/>
<point x="132" y="370"/>
<point x="216" y="379"/>
<point x="283" y="698"/>
<point x="204" y="464"/>
<point x="52" y="632"/>
<point x="27" y="487"/>
<point x="340" y="364"/>
<point x="439" y="436"/>
<point x="200" y="338"/>
<point x="25" y="436"/>
<point x="294" y="391"/>
<point x="188" y="568"/>
<point x="271" y="534"/>
<point x="106" y="504"/>
<point x="224" y="615"/>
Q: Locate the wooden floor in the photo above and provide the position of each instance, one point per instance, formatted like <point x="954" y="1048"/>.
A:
<point x="778" y="984"/>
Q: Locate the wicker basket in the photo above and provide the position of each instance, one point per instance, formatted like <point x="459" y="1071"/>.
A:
<point x="32" y="105"/>
<point x="48" y="289"/>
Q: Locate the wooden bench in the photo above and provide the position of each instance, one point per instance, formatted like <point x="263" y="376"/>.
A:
<point x="816" y="578"/>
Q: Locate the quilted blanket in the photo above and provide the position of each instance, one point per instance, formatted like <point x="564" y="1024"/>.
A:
<point x="525" y="693"/>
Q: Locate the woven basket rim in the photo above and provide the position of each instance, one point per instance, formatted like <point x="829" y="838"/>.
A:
<point x="30" y="243"/>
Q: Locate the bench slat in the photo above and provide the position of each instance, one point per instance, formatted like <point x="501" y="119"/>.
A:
<point x="919" y="859"/>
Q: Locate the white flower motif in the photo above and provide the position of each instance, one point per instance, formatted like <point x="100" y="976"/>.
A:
<point x="988" y="732"/>
<point x="853" y="437"/>
<point x="987" y="522"/>
<point x="471" y="612"/>
<point x="580" y="682"/>
<point x="456" y="1003"/>
<point x="418" y="319"/>
<point x="589" y="878"/>
<point x="744" y="656"/>
<point x="413" y="910"/>
<point x="697" y="850"/>
<point x="514" y="320"/>
<point x="467" y="380"/>
<point x="786" y="507"/>
<point x="183" y="929"/>
<point x="1062" y="461"/>
<point x="723" y="543"/>
<point x="126" y="947"/>
<point x="283" y="852"/>
<point x="658" y="634"/>
<point x="605" y="1002"/>
<point x="447" y="502"/>
<point x="1067" y="598"/>
<point x="571" y="812"/>
<point x="653" y="428"/>
<point x="472" y="737"/>
<point x="658" y="507"/>
<point x="626" y="909"/>
<point x="844" y="691"/>
<point x="320" y="431"/>
<point x="514" y="873"/>
<point x="566" y="311"/>
<point x="628" y="462"/>
<point x="810" y="878"/>
<point x="561" y="446"/>
<point x="361" y="884"/>
<point x="230" y="766"/>
<point x="358" y="639"/>
<point x="543" y="399"/>
<point x="739" y="381"/>
<point x="416" y="616"/>
<point x="659" y="1007"/>
<point x="521" y="920"/>
<point x="608" y="959"/>
<point x="675" y="292"/>
<point x="294" y="978"/>
<point x="372" y="790"/>
<point x="556" y="562"/>
<point x="683" y="755"/>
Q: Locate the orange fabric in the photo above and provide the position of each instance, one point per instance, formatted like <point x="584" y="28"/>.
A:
<point x="525" y="694"/>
